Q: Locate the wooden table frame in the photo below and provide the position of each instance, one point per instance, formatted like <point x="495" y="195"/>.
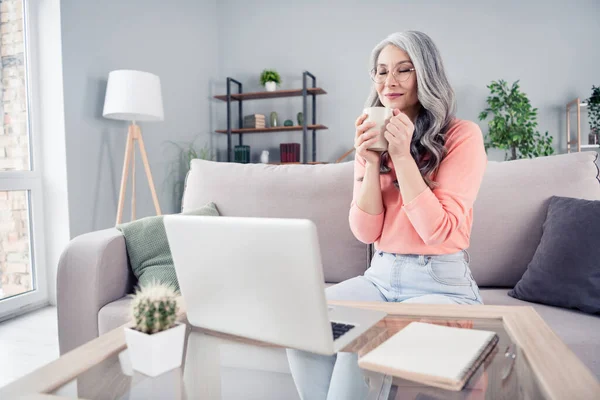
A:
<point x="561" y="375"/>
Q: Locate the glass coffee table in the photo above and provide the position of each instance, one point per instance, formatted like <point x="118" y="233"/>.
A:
<point x="529" y="362"/>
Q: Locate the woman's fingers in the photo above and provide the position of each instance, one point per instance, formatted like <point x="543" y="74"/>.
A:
<point x="364" y="146"/>
<point x="360" y="119"/>
<point x="364" y="137"/>
<point x="364" y="127"/>
<point x="393" y="129"/>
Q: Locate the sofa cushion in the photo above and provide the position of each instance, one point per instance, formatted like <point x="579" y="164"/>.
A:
<point x="148" y="247"/>
<point x="565" y="270"/>
<point x="574" y="328"/>
<point x="511" y="208"/>
<point x="114" y="314"/>
<point x="321" y="193"/>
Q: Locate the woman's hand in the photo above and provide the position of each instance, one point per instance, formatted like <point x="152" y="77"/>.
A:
<point x="362" y="140"/>
<point x="398" y="133"/>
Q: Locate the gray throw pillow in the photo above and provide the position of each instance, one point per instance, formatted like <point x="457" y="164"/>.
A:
<point x="148" y="247"/>
<point x="565" y="269"/>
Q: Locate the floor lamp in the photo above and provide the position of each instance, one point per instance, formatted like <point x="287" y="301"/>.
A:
<point x="133" y="96"/>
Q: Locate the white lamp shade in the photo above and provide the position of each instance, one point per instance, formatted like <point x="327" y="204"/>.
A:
<point x="133" y="96"/>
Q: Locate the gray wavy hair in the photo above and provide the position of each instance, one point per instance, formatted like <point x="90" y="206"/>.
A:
<point x="435" y="95"/>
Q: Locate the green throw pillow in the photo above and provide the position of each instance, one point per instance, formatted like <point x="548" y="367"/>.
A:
<point x="148" y="247"/>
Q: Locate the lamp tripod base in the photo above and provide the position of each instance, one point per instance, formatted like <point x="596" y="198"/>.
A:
<point x="134" y="135"/>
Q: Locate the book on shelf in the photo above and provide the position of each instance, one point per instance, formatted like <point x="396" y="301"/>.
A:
<point x="435" y="355"/>
<point x="289" y="152"/>
<point x="255" y="125"/>
<point x="241" y="154"/>
<point x="256" y="121"/>
<point x="256" y="117"/>
<point x="283" y="152"/>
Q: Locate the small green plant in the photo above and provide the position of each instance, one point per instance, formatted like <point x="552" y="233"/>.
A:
<point x="594" y="110"/>
<point x="270" y="75"/>
<point x="188" y="152"/>
<point x="513" y="124"/>
<point x="179" y="169"/>
<point x="154" y="308"/>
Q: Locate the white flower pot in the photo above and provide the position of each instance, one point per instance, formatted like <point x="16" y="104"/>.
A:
<point x="271" y="86"/>
<point x="155" y="354"/>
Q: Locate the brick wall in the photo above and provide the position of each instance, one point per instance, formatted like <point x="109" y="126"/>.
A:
<point x="15" y="271"/>
<point x="15" y="263"/>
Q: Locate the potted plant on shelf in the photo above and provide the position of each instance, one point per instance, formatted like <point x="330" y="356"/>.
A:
<point x="594" y="115"/>
<point x="513" y="124"/>
<point x="155" y="341"/>
<point x="269" y="78"/>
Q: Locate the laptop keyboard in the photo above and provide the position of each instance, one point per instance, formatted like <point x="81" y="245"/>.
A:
<point x="339" y="329"/>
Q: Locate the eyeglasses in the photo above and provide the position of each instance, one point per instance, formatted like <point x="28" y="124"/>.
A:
<point x="400" y="74"/>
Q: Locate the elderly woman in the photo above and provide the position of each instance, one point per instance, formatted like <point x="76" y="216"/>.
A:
<point x="413" y="201"/>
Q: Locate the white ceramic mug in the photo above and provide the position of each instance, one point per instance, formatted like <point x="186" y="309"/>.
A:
<point x="379" y="115"/>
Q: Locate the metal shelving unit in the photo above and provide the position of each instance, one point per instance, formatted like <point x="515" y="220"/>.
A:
<point x="576" y="105"/>
<point x="305" y="92"/>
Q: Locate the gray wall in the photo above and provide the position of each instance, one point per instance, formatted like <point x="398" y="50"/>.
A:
<point x="193" y="46"/>
<point x="176" y="42"/>
<point x="550" y="46"/>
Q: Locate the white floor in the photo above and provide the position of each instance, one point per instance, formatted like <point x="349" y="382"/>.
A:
<point x="27" y="343"/>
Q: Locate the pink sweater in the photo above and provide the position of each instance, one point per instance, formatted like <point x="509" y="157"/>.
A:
<point x="437" y="221"/>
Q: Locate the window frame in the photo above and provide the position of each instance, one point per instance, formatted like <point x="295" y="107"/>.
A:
<point x="32" y="180"/>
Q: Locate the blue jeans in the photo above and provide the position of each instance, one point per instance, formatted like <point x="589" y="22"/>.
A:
<point x="407" y="278"/>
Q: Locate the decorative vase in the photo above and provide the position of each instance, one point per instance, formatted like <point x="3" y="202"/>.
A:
<point x="264" y="157"/>
<point x="271" y="86"/>
<point x="155" y="354"/>
<point x="288" y="122"/>
<point x="273" y="119"/>
<point x="300" y="117"/>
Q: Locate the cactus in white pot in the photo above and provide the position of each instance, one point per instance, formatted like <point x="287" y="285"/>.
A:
<point x="155" y="339"/>
<point x="154" y="308"/>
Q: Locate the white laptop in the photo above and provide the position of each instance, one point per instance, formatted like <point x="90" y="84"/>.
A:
<point x="260" y="278"/>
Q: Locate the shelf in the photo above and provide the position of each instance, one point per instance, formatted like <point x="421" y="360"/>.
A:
<point x="308" y="89"/>
<point x="573" y="108"/>
<point x="276" y="129"/>
<point x="270" y="95"/>
<point x="573" y="104"/>
<point x="584" y="146"/>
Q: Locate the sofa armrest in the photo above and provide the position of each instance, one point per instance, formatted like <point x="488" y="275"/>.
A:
<point x="93" y="271"/>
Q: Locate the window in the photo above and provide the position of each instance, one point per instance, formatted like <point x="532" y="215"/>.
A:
<point x="22" y="273"/>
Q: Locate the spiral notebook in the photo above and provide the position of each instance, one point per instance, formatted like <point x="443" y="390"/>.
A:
<point x="434" y="355"/>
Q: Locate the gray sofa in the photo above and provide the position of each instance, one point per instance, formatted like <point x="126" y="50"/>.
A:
<point x="94" y="276"/>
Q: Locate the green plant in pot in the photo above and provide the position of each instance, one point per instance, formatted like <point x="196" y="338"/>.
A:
<point x="513" y="124"/>
<point x="179" y="168"/>
<point x="155" y="339"/>
<point x="594" y="115"/>
<point x="269" y="78"/>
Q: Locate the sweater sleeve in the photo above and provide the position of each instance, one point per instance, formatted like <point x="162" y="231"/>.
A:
<point x="366" y="227"/>
<point x="436" y="214"/>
